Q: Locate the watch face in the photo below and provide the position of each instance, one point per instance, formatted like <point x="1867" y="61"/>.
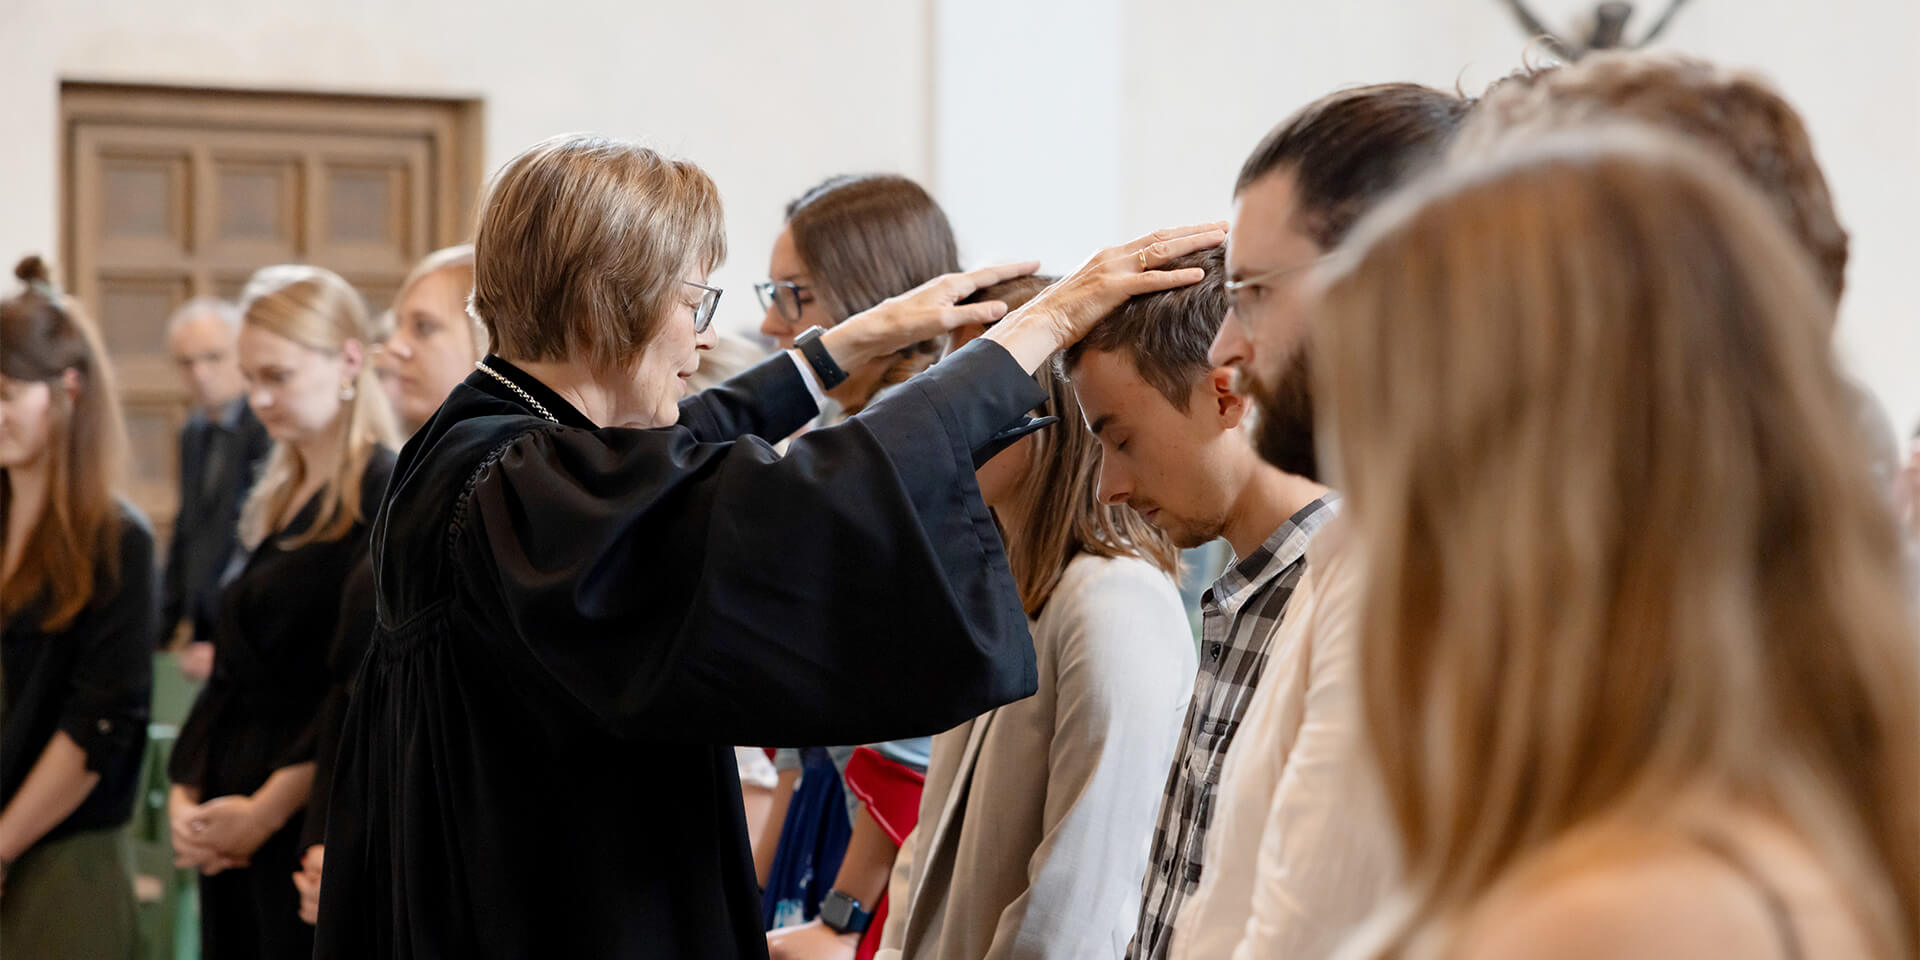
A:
<point x="834" y="910"/>
<point x="837" y="910"/>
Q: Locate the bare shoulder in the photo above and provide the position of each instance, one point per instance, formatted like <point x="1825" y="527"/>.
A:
<point x="1648" y="900"/>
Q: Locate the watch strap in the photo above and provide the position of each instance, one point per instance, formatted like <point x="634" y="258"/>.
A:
<point x="819" y="359"/>
<point x="842" y="913"/>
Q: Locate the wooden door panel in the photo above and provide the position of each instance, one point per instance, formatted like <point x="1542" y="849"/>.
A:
<point x="256" y="206"/>
<point x="133" y="306"/>
<point x="145" y="199"/>
<point x="171" y="194"/>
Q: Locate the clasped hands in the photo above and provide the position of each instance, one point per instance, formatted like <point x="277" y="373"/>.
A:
<point x="220" y="834"/>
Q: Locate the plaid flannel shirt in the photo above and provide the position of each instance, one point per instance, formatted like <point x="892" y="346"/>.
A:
<point x="1240" y="614"/>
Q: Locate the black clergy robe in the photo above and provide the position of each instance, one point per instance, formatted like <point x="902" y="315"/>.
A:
<point x="576" y="624"/>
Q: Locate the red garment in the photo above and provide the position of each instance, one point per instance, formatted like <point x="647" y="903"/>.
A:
<point x="891" y="792"/>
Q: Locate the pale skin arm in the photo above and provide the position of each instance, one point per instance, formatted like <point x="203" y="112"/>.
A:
<point x="863" y="875"/>
<point x="769" y="840"/>
<point x="56" y="786"/>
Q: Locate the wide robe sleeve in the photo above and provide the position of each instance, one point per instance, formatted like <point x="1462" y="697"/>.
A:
<point x="854" y="590"/>
<point x="770" y="400"/>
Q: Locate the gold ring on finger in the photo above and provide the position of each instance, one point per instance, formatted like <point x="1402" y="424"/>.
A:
<point x="1142" y="255"/>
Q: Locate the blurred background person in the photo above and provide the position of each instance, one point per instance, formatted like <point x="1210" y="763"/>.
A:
<point x="1908" y="489"/>
<point x="1033" y="830"/>
<point x="221" y="449"/>
<point x="849" y="243"/>
<point x="244" y="764"/>
<point x="1739" y="117"/>
<point x="76" y="637"/>
<point x="433" y="342"/>
<point x="429" y="344"/>
<point x="1639" y="672"/>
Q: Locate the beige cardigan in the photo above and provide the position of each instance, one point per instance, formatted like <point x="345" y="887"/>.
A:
<point x="1037" y="817"/>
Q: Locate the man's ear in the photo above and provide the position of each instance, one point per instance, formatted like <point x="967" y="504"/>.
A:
<point x="1217" y="388"/>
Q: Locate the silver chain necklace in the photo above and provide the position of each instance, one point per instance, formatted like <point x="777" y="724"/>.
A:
<point x="538" y="407"/>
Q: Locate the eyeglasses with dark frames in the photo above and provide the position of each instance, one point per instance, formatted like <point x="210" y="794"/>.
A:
<point x="709" y="302"/>
<point x="784" y="294"/>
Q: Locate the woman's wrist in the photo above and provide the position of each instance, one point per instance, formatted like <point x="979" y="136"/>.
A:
<point x="1031" y="338"/>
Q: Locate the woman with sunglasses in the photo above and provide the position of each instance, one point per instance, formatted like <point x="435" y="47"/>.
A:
<point x="590" y="589"/>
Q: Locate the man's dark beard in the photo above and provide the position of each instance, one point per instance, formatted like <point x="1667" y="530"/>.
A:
<point x="1283" y="431"/>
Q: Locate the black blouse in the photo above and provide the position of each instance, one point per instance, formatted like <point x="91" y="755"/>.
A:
<point x="576" y="624"/>
<point x="262" y="707"/>
<point x="351" y="635"/>
<point x="93" y="680"/>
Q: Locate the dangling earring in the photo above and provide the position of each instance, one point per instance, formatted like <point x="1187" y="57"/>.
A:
<point x="347" y="392"/>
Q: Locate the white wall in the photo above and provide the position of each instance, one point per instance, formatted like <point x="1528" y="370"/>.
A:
<point x="1201" y="82"/>
<point x="1048" y="128"/>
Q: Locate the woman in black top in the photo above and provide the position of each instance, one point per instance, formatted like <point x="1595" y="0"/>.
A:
<point x="244" y="764"/>
<point x="77" y="609"/>
<point x="588" y="591"/>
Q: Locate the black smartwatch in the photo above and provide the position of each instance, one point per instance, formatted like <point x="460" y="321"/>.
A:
<point x="819" y="359"/>
<point x="842" y="913"/>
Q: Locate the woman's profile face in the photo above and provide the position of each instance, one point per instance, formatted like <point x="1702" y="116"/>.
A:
<point x="294" y="389"/>
<point x="668" y="363"/>
<point x="26" y="420"/>
<point x="781" y="322"/>
<point x="431" y="349"/>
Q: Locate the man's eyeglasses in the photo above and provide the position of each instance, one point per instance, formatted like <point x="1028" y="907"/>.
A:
<point x="1234" y="287"/>
<point x="783" y="294"/>
<point x="709" y="302"/>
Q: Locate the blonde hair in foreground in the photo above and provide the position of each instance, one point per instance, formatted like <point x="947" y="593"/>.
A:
<point x="317" y="309"/>
<point x="1623" y="544"/>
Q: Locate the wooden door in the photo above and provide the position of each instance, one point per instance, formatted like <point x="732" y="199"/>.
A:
<point x="174" y="193"/>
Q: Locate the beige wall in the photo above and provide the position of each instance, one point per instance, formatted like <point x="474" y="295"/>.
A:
<point x="1048" y="129"/>
<point x="768" y="97"/>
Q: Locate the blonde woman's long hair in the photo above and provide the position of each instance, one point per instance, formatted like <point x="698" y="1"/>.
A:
<point x="315" y="308"/>
<point x="1623" y="542"/>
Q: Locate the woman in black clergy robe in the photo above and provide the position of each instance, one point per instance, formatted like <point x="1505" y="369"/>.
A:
<point x="589" y="589"/>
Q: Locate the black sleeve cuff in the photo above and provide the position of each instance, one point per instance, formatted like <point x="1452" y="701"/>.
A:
<point x="770" y="400"/>
<point x="985" y="395"/>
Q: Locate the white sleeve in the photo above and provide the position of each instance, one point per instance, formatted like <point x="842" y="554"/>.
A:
<point x="809" y="378"/>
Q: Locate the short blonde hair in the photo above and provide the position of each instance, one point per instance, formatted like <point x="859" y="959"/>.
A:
<point x="1622" y="540"/>
<point x="315" y="308"/>
<point x="582" y="245"/>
